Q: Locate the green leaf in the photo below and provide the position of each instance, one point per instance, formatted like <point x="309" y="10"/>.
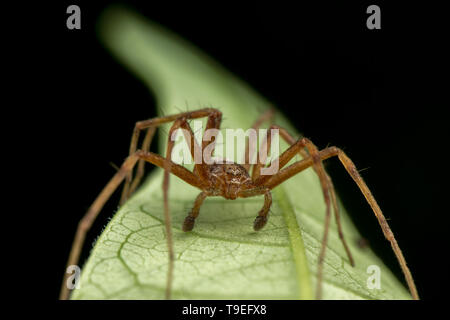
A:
<point x="222" y="258"/>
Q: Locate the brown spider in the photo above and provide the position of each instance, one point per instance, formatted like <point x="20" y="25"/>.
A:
<point x="231" y="181"/>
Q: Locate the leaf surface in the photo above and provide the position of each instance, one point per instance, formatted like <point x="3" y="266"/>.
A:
<point x="222" y="258"/>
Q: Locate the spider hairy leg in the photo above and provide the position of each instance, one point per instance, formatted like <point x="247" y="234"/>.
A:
<point x="261" y="219"/>
<point x="189" y="222"/>
<point x="153" y="123"/>
<point x="266" y="116"/>
<point x="301" y="146"/>
<point x="125" y="173"/>
<point x="351" y="169"/>
<point x="93" y="211"/>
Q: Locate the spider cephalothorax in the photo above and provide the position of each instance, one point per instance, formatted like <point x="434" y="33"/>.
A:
<point x="231" y="180"/>
<point x="228" y="179"/>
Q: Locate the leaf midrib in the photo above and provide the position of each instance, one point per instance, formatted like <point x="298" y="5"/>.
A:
<point x="297" y="246"/>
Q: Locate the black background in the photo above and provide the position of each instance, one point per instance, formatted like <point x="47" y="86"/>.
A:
<point x="375" y="93"/>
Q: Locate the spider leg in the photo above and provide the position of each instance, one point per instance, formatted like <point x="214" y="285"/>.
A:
<point x="149" y="124"/>
<point x="88" y="219"/>
<point x="141" y="163"/>
<point x="266" y="116"/>
<point x="296" y="147"/>
<point x="291" y="140"/>
<point x="213" y="123"/>
<point x="261" y="218"/>
<point x="214" y="117"/>
<point x="189" y="222"/>
<point x="180" y="121"/>
<point x="349" y="166"/>
<point x="327" y="189"/>
<point x="264" y="149"/>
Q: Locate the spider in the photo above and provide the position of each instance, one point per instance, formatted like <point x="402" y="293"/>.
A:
<point x="230" y="180"/>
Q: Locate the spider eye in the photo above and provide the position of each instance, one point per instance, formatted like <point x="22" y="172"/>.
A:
<point x="231" y="171"/>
